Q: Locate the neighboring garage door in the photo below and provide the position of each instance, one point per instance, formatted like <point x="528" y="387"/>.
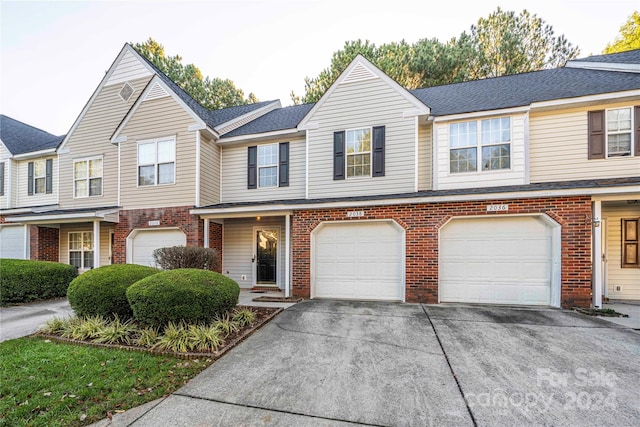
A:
<point x="144" y="242"/>
<point x="12" y="242"/>
<point x="358" y="260"/>
<point x="504" y="260"/>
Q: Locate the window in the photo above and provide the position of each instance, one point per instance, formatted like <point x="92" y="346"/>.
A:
<point x="268" y="165"/>
<point x="480" y="145"/>
<point x="630" y="231"/>
<point x="81" y="249"/>
<point x="2" y="179"/>
<point x="157" y="162"/>
<point x="619" y="132"/>
<point x="614" y="133"/>
<point x="358" y="145"/>
<point x="87" y="178"/>
<point x="40" y="177"/>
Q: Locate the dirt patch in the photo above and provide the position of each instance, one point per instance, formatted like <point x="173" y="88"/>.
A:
<point x="603" y="312"/>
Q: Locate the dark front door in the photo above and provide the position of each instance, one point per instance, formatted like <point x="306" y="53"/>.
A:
<point x="266" y="257"/>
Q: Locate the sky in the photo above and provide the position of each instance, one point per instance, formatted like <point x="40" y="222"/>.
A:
<point x="53" y="54"/>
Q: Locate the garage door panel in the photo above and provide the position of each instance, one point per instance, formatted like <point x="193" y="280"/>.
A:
<point x="144" y="242"/>
<point x="12" y="242"/>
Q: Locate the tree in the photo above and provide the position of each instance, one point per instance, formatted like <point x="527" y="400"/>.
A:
<point x="629" y="37"/>
<point x="213" y="93"/>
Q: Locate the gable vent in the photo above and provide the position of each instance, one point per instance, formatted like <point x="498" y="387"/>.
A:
<point x="359" y="73"/>
<point x="156" y="92"/>
<point x="126" y="92"/>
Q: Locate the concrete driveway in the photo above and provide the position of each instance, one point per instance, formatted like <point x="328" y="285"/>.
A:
<point x="338" y="363"/>
<point x="22" y="320"/>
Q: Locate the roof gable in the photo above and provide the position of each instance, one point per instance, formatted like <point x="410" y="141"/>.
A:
<point x="21" y="138"/>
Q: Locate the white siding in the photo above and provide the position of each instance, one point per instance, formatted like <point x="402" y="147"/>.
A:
<point x="559" y="149"/>
<point x="234" y="174"/>
<point x="627" y="278"/>
<point x="4" y="158"/>
<point x="356" y="105"/>
<point x="514" y="176"/>
<point x="105" y="242"/>
<point x="22" y="197"/>
<point x="129" y="68"/>
<point x="425" y="161"/>
<point x="238" y="248"/>
<point x="158" y="118"/>
<point x="209" y="172"/>
<point x="91" y="138"/>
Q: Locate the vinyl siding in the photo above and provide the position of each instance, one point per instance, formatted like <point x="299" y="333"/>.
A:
<point x="425" y="160"/>
<point x="105" y="230"/>
<point x="158" y="118"/>
<point x="238" y="250"/>
<point x="514" y="176"/>
<point x="627" y="278"/>
<point x="234" y="174"/>
<point x="4" y="158"/>
<point x="129" y="68"/>
<point x="209" y="172"/>
<point x="92" y="138"/>
<point x="356" y="105"/>
<point x="22" y="184"/>
<point x="559" y="149"/>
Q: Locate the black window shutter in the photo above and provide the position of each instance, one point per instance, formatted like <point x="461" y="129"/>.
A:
<point x="30" y="179"/>
<point x="636" y="133"/>
<point x="597" y="135"/>
<point x="252" y="167"/>
<point x="2" y="179"/>
<point x="378" y="151"/>
<point x="48" y="182"/>
<point x="283" y="159"/>
<point x="338" y="155"/>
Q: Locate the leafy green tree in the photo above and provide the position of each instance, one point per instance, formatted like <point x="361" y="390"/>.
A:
<point x="629" y="37"/>
<point x="213" y="93"/>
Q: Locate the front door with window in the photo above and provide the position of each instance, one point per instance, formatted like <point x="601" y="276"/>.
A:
<point x="266" y="257"/>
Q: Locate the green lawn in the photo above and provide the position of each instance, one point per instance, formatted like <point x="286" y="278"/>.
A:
<point x="44" y="383"/>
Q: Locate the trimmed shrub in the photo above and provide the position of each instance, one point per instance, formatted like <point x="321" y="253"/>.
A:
<point x="187" y="257"/>
<point x="26" y="280"/>
<point x="102" y="291"/>
<point x="183" y="295"/>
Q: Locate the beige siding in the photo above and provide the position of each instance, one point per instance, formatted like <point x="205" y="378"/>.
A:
<point x="22" y="185"/>
<point x="105" y="240"/>
<point x="238" y="250"/>
<point x="559" y="149"/>
<point x="158" y="118"/>
<point x="425" y="161"/>
<point x="92" y="138"/>
<point x="356" y="105"/>
<point x="129" y="68"/>
<point x="514" y="176"/>
<point x="209" y="172"/>
<point x="234" y="174"/>
<point x="627" y="278"/>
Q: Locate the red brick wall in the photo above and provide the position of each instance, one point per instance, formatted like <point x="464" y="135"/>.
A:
<point x="179" y="217"/>
<point x="44" y="243"/>
<point x="215" y="240"/>
<point x="422" y="222"/>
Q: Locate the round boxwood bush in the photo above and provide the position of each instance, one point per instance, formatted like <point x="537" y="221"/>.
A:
<point x="102" y="291"/>
<point x="185" y="294"/>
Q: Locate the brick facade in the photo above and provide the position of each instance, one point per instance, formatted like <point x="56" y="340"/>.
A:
<point x="44" y="243"/>
<point x="178" y="217"/>
<point x="422" y="223"/>
<point x="215" y="240"/>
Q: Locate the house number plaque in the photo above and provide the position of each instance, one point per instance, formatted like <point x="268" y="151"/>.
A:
<point x="497" y="208"/>
<point x="355" y="214"/>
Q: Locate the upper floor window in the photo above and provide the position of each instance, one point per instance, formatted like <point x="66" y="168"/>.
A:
<point x="358" y="152"/>
<point x="157" y="162"/>
<point x="87" y="178"/>
<point x="81" y="249"/>
<point x="40" y="177"/>
<point x="268" y="165"/>
<point x="619" y="132"/>
<point x="2" y="179"/>
<point x="614" y="132"/>
<point x="480" y="145"/>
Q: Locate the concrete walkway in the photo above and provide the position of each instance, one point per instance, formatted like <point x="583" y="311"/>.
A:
<point x="630" y="308"/>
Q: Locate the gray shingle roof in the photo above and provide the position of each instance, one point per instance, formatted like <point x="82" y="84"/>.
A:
<point x="629" y="57"/>
<point x="523" y="89"/>
<point x="279" y="119"/>
<point x="20" y="138"/>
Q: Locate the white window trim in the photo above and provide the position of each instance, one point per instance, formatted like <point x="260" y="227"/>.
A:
<point x="82" y="251"/>
<point x="631" y="132"/>
<point x="370" y="152"/>
<point x="155" y="164"/>
<point x="276" y="165"/>
<point x="479" y="146"/>
<point x="87" y="159"/>
<point x="36" y="177"/>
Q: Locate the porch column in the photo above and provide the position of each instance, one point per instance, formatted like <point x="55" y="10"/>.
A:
<point x="287" y="250"/>
<point x="597" y="253"/>
<point x="96" y="243"/>
<point x="206" y="232"/>
<point x="27" y="240"/>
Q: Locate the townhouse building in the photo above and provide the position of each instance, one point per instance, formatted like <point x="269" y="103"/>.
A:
<point x="520" y="190"/>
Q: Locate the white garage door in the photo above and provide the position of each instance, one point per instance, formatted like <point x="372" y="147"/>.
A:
<point x="144" y="242"/>
<point x="358" y="260"/>
<point x="496" y="260"/>
<point x="12" y="242"/>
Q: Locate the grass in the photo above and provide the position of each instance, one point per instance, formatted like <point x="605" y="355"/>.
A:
<point x="45" y="383"/>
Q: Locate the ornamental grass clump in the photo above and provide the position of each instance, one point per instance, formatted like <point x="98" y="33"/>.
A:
<point x="244" y="316"/>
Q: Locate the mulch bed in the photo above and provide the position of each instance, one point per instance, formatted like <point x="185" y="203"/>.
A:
<point x="267" y="298"/>
<point x="606" y="312"/>
<point x="263" y="316"/>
